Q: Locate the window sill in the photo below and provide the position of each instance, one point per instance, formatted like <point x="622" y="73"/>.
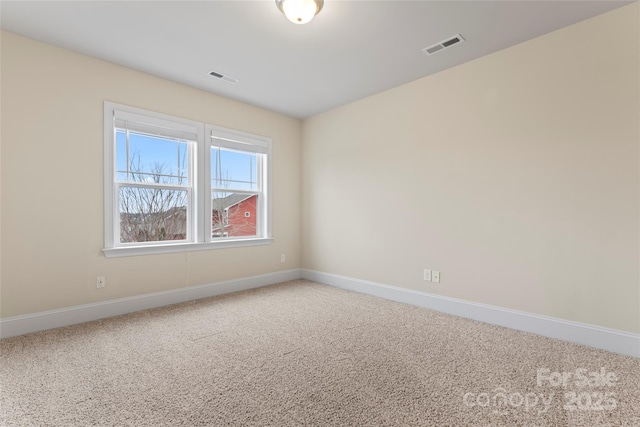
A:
<point x="182" y="247"/>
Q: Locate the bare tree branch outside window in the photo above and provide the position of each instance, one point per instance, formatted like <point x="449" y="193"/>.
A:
<point x="152" y="213"/>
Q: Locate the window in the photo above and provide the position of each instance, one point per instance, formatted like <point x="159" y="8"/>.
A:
<point x="173" y="184"/>
<point x="238" y="182"/>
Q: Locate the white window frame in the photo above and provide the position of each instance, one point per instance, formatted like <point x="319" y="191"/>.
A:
<point x="199" y="209"/>
<point x="217" y="136"/>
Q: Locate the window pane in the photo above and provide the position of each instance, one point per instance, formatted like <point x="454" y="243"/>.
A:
<point x="152" y="214"/>
<point x="233" y="170"/>
<point x="151" y="159"/>
<point x="233" y="214"/>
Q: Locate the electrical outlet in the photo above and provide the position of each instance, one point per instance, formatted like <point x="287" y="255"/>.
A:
<point x="427" y="275"/>
<point x="283" y="258"/>
<point x="101" y="282"/>
<point x="435" y="276"/>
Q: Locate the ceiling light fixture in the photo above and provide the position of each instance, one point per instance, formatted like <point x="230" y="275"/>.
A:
<point x="300" y="11"/>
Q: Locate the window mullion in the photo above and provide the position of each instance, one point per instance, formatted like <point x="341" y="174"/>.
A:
<point x="202" y="185"/>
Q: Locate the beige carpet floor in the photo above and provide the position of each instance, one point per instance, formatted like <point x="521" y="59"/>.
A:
<point x="301" y="353"/>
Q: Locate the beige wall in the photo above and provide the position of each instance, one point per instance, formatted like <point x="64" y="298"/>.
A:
<point x="52" y="180"/>
<point x="516" y="175"/>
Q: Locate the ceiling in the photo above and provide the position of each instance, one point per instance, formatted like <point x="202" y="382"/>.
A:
<point x="351" y="50"/>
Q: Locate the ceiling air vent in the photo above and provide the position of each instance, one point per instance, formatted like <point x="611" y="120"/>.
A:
<point x="443" y="44"/>
<point x="221" y="76"/>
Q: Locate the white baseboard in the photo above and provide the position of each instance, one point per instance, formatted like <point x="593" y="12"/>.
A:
<point x="20" y="325"/>
<point x="580" y="333"/>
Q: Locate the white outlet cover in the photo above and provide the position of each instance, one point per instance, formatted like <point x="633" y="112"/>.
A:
<point x="435" y="276"/>
<point x="427" y="275"/>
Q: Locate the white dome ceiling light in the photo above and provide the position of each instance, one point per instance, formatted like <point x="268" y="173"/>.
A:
<point x="300" y="11"/>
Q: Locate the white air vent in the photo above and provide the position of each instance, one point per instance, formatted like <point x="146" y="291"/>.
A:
<point x="221" y="76"/>
<point x="443" y="45"/>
